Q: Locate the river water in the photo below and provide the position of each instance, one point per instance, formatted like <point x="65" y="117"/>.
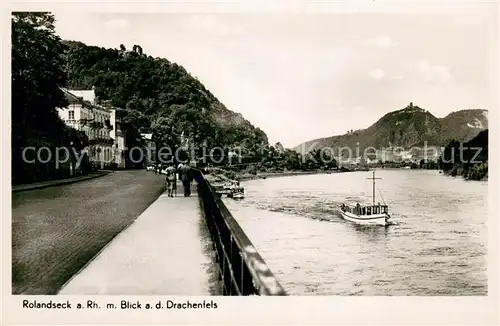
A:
<point x="436" y="246"/>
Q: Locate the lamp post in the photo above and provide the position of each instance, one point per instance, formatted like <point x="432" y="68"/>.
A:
<point x="115" y="154"/>
<point x="71" y="169"/>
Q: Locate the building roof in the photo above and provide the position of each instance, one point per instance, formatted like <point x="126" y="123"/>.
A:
<point x="87" y="95"/>
<point x="74" y="97"/>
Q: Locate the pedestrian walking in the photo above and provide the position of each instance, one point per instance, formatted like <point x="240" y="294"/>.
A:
<point x="187" y="178"/>
<point x="180" y="167"/>
<point x="171" y="181"/>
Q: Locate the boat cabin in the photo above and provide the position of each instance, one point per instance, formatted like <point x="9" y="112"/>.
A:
<point x="365" y="210"/>
<point x="236" y="188"/>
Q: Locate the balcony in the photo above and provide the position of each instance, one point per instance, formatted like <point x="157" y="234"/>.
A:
<point x="101" y="141"/>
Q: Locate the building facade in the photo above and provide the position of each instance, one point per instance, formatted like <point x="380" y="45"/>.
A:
<point x="97" y="122"/>
<point x="118" y="136"/>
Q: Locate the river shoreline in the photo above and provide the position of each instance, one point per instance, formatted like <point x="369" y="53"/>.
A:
<point x="265" y="175"/>
<point x="218" y="176"/>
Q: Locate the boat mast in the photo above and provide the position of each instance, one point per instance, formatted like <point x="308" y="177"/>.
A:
<point x="373" y="178"/>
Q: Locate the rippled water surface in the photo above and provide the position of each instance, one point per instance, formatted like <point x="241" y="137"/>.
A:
<point x="437" y="245"/>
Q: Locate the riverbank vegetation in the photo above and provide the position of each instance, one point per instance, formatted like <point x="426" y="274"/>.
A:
<point x="277" y="160"/>
<point x="469" y="159"/>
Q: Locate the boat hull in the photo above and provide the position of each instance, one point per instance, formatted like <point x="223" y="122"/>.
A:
<point x="235" y="195"/>
<point x="375" y="219"/>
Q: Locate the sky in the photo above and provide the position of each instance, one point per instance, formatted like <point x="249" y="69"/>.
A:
<point x="301" y="76"/>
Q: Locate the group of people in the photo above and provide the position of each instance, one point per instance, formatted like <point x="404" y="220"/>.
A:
<point x="183" y="172"/>
<point x="360" y="210"/>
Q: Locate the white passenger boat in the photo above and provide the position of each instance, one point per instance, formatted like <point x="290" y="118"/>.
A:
<point x="374" y="214"/>
<point x="236" y="194"/>
<point x="236" y="191"/>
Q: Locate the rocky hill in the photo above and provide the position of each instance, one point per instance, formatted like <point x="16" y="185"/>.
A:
<point x="465" y="124"/>
<point x="153" y="92"/>
<point x="408" y="127"/>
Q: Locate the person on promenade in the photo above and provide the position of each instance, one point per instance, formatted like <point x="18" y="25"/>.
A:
<point x="186" y="177"/>
<point x="171" y="180"/>
<point x="180" y="167"/>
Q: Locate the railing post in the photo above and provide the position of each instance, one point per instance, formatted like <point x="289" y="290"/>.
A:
<point x="236" y="264"/>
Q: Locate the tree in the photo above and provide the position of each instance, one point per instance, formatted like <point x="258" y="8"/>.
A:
<point x="37" y="74"/>
<point x="469" y="159"/>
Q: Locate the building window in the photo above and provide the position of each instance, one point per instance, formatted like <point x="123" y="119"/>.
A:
<point x="71" y="115"/>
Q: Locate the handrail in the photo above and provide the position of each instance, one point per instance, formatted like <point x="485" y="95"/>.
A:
<point x="242" y="269"/>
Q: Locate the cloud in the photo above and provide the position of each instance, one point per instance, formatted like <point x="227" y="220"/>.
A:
<point x="434" y="74"/>
<point x="377" y="74"/>
<point x="382" y="41"/>
<point x="398" y="77"/>
<point x="116" y="24"/>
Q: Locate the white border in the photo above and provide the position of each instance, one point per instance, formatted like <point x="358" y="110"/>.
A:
<point x="268" y="310"/>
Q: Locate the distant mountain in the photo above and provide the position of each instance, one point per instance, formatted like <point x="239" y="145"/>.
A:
<point x="463" y="125"/>
<point x="406" y="128"/>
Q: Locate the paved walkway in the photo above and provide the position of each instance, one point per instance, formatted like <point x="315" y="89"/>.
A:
<point x="166" y="251"/>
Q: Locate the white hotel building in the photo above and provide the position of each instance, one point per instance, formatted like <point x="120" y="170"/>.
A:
<point x="106" y="142"/>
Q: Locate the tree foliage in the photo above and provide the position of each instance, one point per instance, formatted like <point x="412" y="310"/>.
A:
<point x="469" y="159"/>
<point x="37" y="74"/>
